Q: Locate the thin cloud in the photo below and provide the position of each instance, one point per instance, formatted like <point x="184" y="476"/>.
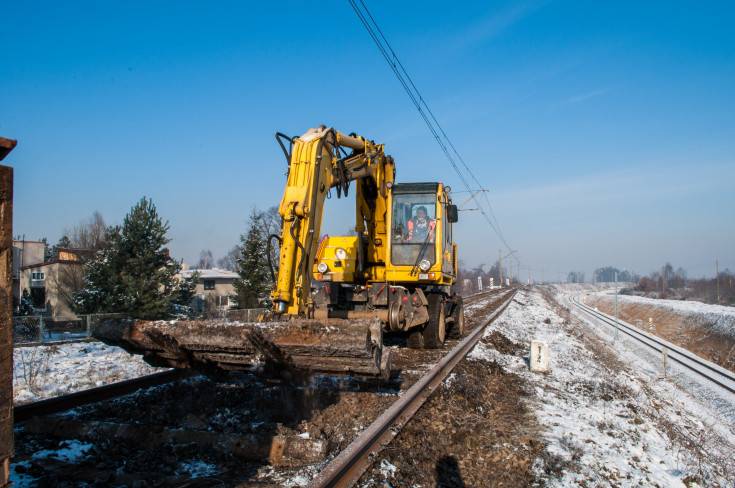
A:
<point x="584" y="97"/>
<point x="500" y="21"/>
<point x="650" y="184"/>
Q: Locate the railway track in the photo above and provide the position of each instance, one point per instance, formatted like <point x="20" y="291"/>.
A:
<point x="352" y="462"/>
<point x="177" y="409"/>
<point x="62" y="403"/>
<point x="705" y="369"/>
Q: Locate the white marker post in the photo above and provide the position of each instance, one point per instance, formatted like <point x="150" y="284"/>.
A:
<point x="539" y="357"/>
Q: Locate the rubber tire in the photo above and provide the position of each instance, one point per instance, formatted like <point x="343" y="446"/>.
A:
<point x="415" y="340"/>
<point x="435" y="330"/>
<point x="457" y="329"/>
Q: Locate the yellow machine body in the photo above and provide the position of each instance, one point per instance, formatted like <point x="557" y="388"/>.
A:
<point x="394" y="247"/>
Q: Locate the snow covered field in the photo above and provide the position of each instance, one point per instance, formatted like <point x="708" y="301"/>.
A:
<point x="47" y="371"/>
<point x="608" y="421"/>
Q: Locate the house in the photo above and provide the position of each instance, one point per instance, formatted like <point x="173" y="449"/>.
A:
<point x="52" y="283"/>
<point x="214" y="288"/>
<point x="25" y="253"/>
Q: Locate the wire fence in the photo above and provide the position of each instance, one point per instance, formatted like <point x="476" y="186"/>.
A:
<point x="39" y="329"/>
<point x="245" y="314"/>
<point x="33" y="329"/>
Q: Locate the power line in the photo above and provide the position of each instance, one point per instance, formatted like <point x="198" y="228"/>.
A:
<point x="399" y="71"/>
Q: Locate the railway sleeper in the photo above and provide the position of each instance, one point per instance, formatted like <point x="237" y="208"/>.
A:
<point x="280" y="450"/>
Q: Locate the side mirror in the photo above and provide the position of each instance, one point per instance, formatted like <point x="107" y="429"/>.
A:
<point x="452" y="214"/>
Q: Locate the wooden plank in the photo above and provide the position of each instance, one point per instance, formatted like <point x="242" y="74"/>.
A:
<point x="279" y="450"/>
<point x="6" y="305"/>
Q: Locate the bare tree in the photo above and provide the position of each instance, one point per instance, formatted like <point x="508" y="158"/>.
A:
<point x="272" y="224"/>
<point x="88" y="234"/>
<point x="229" y="260"/>
<point x="68" y="279"/>
<point x="206" y="260"/>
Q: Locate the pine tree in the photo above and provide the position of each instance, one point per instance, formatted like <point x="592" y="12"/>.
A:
<point x="133" y="274"/>
<point x="63" y="243"/>
<point x="253" y="288"/>
<point x="25" y="307"/>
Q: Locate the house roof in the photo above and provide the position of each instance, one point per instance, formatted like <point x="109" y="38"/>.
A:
<point x="53" y="261"/>
<point x="210" y="274"/>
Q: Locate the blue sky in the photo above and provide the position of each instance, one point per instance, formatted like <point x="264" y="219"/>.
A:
<point x="605" y="132"/>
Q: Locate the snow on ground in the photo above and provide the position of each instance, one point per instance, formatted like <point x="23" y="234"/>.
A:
<point x="719" y="318"/>
<point x="69" y="451"/>
<point x="606" y="422"/>
<point x="47" y="371"/>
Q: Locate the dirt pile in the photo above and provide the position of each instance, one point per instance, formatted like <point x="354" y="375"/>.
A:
<point x="500" y="343"/>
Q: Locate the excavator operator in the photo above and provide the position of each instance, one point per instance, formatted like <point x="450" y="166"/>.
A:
<point x="420" y="226"/>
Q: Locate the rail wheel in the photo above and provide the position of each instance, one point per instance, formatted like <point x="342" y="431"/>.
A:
<point x="435" y="330"/>
<point x="457" y="329"/>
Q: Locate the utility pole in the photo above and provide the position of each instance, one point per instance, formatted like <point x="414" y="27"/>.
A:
<point x="616" y="306"/>
<point x="717" y="271"/>
<point x="542" y="275"/>
<point x="529" y="276"/>
<point x="510" y="271"/>
<point x="518" y="272"/>
<point x="594" y="278"/>
<point x="500" y="267"/>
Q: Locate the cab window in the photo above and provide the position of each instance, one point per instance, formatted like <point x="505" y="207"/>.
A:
<point x="413" y="230"/>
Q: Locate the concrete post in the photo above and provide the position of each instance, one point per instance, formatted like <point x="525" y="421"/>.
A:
<point x="41" y="329"/>
<point x="539" y="357"/>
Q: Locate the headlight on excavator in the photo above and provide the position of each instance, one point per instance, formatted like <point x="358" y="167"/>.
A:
<point x="322" y="267"/>
<point x="424" y="265"/>
<point x="341" y="253"/>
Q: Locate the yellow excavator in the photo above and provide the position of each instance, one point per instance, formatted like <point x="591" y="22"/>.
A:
<point x="333" y="297"/>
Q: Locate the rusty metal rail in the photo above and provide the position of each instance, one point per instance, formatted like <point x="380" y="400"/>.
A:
<point x="350" y="464"/>
<point x="66" y="402"/>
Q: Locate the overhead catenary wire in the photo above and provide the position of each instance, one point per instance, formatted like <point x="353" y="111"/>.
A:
<point x="428" y="116"/>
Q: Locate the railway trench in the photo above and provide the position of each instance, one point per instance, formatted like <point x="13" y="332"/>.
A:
<point x="168" y="434"/>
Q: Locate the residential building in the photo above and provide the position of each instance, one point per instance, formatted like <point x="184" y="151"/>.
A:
<point x="25" y="253"/>
<point x="52" y="283"/>
<point x="214" y="288"/>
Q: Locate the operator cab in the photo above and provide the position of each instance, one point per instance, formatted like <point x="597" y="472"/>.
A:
<point x="421" y="217"/>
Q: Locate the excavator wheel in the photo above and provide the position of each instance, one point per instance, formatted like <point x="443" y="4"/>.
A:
<point x="435" y="330"/>
<point x="457" y="329"/>
<point x="415" y="340"/>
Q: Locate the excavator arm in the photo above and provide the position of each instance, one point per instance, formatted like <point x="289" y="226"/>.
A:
<point x="315" y="167"/>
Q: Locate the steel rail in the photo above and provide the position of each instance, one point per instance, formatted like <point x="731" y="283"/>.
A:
<point x="647" y="339"/>
<point x="351" y="463"/>
<point x="61" y="403"/>
<point x="483" y="294"/>
<point x="662" y="343"/>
